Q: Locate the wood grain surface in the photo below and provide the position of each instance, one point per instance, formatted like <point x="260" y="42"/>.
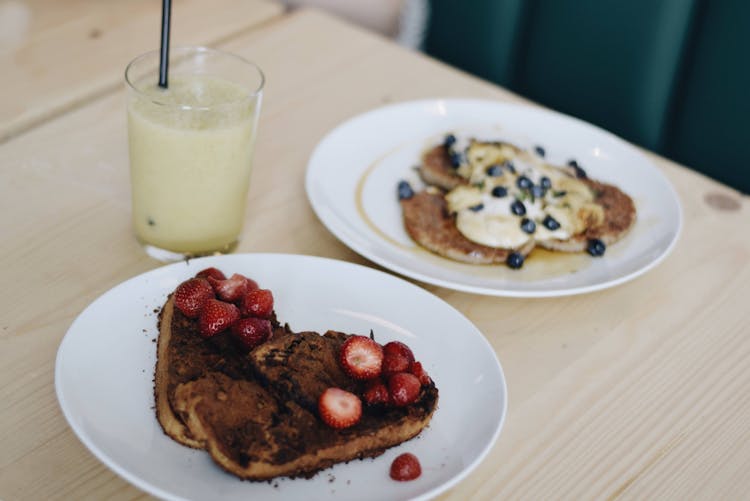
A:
<point x="636" y="392"/>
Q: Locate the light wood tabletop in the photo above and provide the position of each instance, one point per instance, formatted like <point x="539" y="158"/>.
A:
<point x="637" y="392"/>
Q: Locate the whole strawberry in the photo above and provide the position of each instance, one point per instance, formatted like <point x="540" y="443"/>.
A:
<point x="251" y="332"/>
<point x="257" y="303"/>
<point x="404" y="388"/>
<point x="405" y="467"/>
<point x="211" y="272"/>
<point x="376" y="393"/>
<point x="216" y="316"/>
<point x="191" y="295"/>
<point x="231" y="289"/>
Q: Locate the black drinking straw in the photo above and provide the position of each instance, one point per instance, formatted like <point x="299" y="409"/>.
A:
<point x="166" y="11"/>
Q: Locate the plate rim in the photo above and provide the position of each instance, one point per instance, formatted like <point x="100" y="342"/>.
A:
<point x="153" y="489"/>
<point x="405" y="271"/>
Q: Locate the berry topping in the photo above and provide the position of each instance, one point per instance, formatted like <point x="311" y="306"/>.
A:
<point x="550" y="223"/>
<point x="596" y="247"/>
<point x="515" y="260"/>
<point x="449" y="140"/>
<point x="216" y="316"/>
<point x="509" y="165"/>
<point x="518" y="208"/>
<point x="376" y="393"/>
<point x="405" y="192"/>
<point x="580" y="173"/>
<point x="191" y="295"/>
<point x="528" y="226"/>
<point x="545" y="183"/>
<point x="456" y="159"/>
<point x="404" y="388"/>
<point x="495" y="170"/>
<point x="405" y="467"/>
<point x="476" y="208"/>
<point x="421" y="374"/>
<point x="361" y="357"/>
<point x="524" y="183"/>
<point x="251" y="332"/>
<point x="537" y="191"/>
<point x="499" y="191"/>
<point x="398" y="348"/>
<point x="211" y="272"/>
<point x="339" y="409"/>
<point x="539" y="150"/>
<point x="230" y="289"/>
<point x="257" y="303"/>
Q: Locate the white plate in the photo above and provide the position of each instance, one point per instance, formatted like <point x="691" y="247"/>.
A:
<point x="105" y="367"/>
<point x="353" y="173"/>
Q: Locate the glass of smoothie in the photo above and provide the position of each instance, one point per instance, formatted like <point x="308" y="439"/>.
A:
<point x="191" y="148"/>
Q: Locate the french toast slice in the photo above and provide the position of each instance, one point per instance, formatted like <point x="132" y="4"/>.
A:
<point x="256" y="413"/>
<point x="269" y="427"/>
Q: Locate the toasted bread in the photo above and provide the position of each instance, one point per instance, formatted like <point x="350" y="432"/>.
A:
<point x="256" y="413"/>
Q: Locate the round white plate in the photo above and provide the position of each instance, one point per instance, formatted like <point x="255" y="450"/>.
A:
<point x="105" y="366"/>
<point x="353" y="173"/>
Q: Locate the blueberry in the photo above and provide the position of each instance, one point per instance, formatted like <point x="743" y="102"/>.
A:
<point x="558" y="194"/>
<point x="404" y="191"/>
<point x="495" y="170"/>
<point x="449" y="140"/>
<point x="518" y="208"/>
<point x="528" y="225"/>
<point x="537" y="191"/>
<point x="580" y="173"/>
<point x="524" y="183"/>
<point x="476" y="208"/>
<point x="596" y="247"/>
<point x="456" y="159"/>
<point x="515" y="260"/>
<point x="550" y="223"/>
<point x="499" y="191"/>
<point x="545" y="183"/>
<point x="539" y="150"/>
<point x="509" y="165"/>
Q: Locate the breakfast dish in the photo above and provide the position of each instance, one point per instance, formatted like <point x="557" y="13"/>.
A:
<point x="229" y="378"/>
<point x="489" y="202"/>
<point x="353" y="191"/>
<point x="105" y="368"/>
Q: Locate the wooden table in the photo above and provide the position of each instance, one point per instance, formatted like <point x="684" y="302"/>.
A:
<point x="639" y="391"/>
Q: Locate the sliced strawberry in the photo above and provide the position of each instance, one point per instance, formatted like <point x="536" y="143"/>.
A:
<point x="211" y="272"/>
<point x="398" y="348"/>
<point x="231" y="289"/>
<point x="404" y="388"/>
<point x="394" y="363"/>
<point x="405" y="467"/>
<point x="216" y="316"/>
<point x="339" y="408"/>
<point x="421" y="374"/>
<point x="376" y="393"/>
<point x="257" y="303"/>
<point x="361" y="357"/>
<point x="191" y="295"/>
<point x="251" y="332"/>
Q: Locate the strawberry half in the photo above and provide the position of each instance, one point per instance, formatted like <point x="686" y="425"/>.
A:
<point x="231" y="289"/>
<point x="421" y="374"/>
<point x="216" y="316"/>
<point x="339" y="408"/>
<point x="251" y="332"/>
<point x="211" y="272"/>
<point x="257" y="303"/>
<point x="191" y="295"/>
<point x="361" y="357"/>
<point x="404" y="388"/>
<point x="405" y="467"/>
<point x="393" y="363"/>
<point x="376" y="393"/>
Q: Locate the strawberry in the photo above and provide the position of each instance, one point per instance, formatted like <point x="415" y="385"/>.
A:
<point x="361" y="357"/>
<point x="191" y="295"/>
<point x="211" y="272"/>
<point x="216" y="316"/>
<point x="405" y="467"/>
<point x="404" y="388"/>
<point x="398" y="348"/>
<point x="339" y="408"/>
<point x="421" y="374"/>
<point x="251" y="332"/>
<point x="376" y="393"/>
<point x="394" y="363"/>
<point x="257" y="303"/>
<point x="230" y="289"/>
